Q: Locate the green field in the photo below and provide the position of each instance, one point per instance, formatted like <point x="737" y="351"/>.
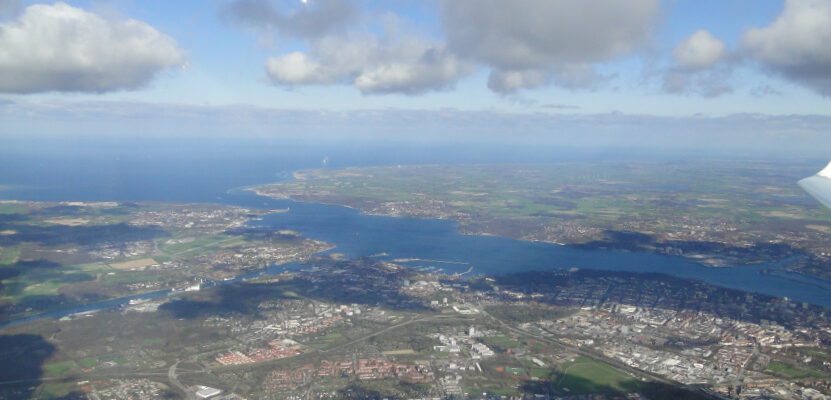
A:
<point x="9" y="255"/>
<point x="540" y="373"/>
<point x="152" y="342"/>
<point x="56" y="390"/>
<point x="11" y="208"/>
<point x="59" y="368"/>
<point x="501" y="341"/>
<point x="88" y="362"/>
<point x="584" y="375"/>
<point x="598" y="191"/>
<point x="326" y="340"/>
<point x="200" y="244"/>
<point x="38" y="282"/>
<point x="793" y="372"/>
<point x="42" y="278"/>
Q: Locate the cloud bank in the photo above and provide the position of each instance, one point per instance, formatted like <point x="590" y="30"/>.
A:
<point x="525" y="43"/>
<point x="409" y="66"/>
<point x="62" y="48"/>
<point x="796" y="45"/>
<point x="531" y="43"/>
<point x="799" y="135"/>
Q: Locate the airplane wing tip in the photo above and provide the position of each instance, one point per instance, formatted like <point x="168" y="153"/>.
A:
<point x="819" y="186"/>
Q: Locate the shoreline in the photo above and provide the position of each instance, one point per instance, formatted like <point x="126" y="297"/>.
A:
<point x="697" y="259"/>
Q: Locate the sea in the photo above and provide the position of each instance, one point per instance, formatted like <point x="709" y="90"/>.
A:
<point x="209" y="170"/>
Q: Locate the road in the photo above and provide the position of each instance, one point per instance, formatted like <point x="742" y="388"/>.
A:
<point x="172" y="374"/>
<point x="615" y="363"/>
<point x="174" y="380"/>
<point x="390" y="328"/>
<point x="342" y="345"/>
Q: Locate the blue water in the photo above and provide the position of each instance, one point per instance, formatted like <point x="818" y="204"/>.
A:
<point x="215" y="171"/>
<point x="203" y="170"/>
<point x="358" y="235"/>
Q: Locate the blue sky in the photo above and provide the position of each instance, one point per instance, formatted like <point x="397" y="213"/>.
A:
<point x="410" y="56"/>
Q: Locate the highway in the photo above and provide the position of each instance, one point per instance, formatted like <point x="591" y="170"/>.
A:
<point x="174" y="380"/>
<point x="594" y="356"/>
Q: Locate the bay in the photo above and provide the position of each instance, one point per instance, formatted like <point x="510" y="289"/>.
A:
<point x="217" y="172"/>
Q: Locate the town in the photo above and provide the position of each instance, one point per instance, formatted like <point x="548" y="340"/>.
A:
<point x="94" y="251"/>
<point x="373" y="328"/>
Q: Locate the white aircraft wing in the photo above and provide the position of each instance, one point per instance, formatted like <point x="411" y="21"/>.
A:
<point x="819" y="186"/>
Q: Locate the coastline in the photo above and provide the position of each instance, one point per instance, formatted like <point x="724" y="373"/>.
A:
<point x="706" y="261"/>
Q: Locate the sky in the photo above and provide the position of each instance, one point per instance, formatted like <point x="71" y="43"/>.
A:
<point x="670" y="72"/>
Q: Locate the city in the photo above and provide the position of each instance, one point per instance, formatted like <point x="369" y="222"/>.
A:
<point x="378" y="327"/>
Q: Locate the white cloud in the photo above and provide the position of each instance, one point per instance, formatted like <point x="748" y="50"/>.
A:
<point x="699" y="66"/>
<point x="526" y="43"/>
<point x="510" y="81"/>
<point x="408" y="66"/>
<point x="297" y="69"/>
<point x="796" y="45"/>
<point x="570" y="76"/>
<point x="62" y="48"/>
<point x="531" y="43"/>
<point x="699" y="51"/>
